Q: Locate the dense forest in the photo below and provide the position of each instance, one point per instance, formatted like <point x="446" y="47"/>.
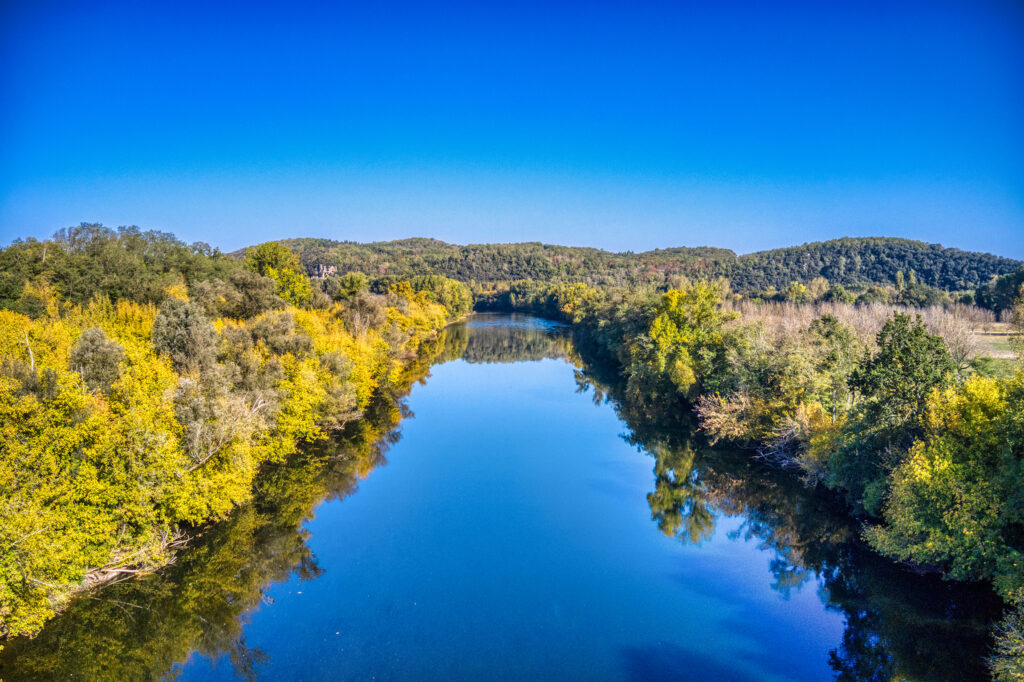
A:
<point x="856" y="263"/>
<point x="144" y="383"/>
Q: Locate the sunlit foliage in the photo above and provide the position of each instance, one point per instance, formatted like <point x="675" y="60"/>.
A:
<point x="124" y="424"/>
<point x="894" y="385"/>
<point x="682" y="342"/>
<point x="144" y="383"/>
<point x="276" y="261"/>
<point x="956" y="500"/>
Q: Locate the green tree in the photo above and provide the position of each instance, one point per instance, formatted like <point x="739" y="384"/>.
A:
<point x="896" y="381"/>
<point x="275" y="260"/>
<point x="837" y="350"/>
<point x="1000" y="292"/>
<point x="454" y="296"/>
<point x="344" y="287"/>
<point x="243" y="295"/>
<point x="796" y="293"/>
<point x="956" y="500"/>
<point x="837" y="293"/>
<point x="893" y="385"/>
<point x="683" y="340"/>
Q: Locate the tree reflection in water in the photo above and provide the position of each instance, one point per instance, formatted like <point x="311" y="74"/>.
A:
<point x="144" y="628"/>
<point x="898" y="625"/>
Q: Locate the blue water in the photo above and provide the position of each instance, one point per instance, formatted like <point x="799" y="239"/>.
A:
<point x="521" y="518"/>
<point x="510" y="537"/>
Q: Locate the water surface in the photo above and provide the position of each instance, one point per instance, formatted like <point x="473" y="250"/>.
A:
<point x="524" y="527"/>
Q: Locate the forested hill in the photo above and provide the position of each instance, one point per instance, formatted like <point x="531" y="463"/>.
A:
<point x="841" y="261"/>
<point x="870" y="260"/>
<point x="502" y="262"/>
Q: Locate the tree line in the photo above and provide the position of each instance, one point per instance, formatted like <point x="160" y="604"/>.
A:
<point x="863" y="266"/>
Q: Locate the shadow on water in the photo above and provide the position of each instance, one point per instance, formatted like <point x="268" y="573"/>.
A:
<point x="660" y="662"/>
<point x="898" y="625"/>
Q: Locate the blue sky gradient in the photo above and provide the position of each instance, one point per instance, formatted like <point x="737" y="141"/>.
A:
<point x="623" y="126"/>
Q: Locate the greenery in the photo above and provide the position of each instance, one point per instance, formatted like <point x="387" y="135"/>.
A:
<point x="1000" y="292"/>
<point x="897" y="625"/>
<point x="912" y="272"/>
<point x="893" y="385"/>
<point x="125" y="424"/>
<point x="681" y="343"/>
<point x="198" y="602"/>
<point x="870" y="260"/>
<point x="277" y="262"/>
<point x="89" y="261"/>
<point x="956" y="498"/>
<point x="144" y="385"/>
<point x="926" y="452"/>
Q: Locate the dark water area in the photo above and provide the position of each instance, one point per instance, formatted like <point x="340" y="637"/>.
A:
<point x="513" y="517"/>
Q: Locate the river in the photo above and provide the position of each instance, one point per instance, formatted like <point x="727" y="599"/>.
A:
<point x="512" y="518"/>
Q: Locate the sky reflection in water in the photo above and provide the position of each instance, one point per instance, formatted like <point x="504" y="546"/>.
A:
<point x="510" y="537"/>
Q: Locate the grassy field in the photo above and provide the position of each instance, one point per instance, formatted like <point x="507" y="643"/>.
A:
<point x="994" y="352"/>
<point x="994" y="342"/>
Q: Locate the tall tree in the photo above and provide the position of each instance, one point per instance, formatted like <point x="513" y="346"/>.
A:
<point x="894" y="385"/>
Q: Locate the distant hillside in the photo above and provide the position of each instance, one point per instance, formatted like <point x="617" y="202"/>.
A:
<point x="503" y="262"/>
<point x="841" y="261"/>
<point x="870" y="260"/>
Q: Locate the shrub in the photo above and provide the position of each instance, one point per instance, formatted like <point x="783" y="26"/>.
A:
<point x="97" y="359"/>
<point x="183" y="333"/>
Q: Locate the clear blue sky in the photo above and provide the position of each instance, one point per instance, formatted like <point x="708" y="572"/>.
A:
<point x="620" y="125"/>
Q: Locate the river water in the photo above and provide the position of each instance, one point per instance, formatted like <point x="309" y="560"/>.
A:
<point x="514" y="519"/>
